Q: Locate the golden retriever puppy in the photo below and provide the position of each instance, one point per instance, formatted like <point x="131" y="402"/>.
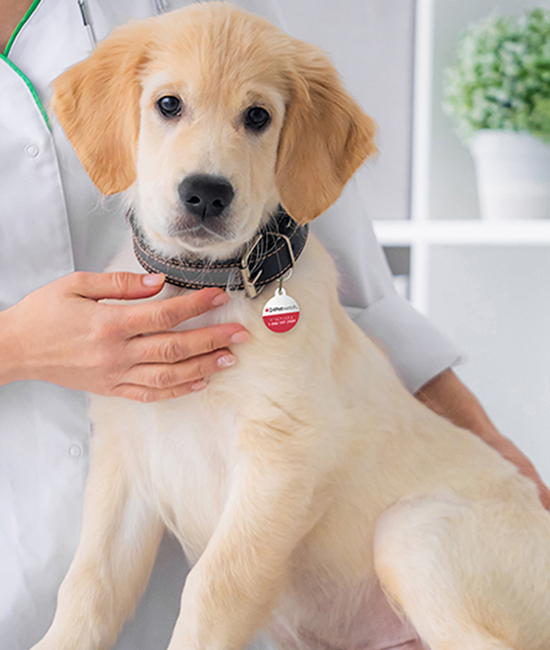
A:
<point x="305" y="481"/>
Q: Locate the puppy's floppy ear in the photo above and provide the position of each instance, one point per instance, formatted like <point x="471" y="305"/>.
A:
<point x="97" y="104"/>
<point x="325" y="138"/>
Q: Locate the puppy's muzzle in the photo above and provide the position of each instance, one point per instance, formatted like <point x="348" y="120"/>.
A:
<point x="206" y="197"/>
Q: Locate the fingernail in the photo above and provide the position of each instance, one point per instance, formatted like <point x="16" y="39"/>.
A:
<point x="226" y="361"/>
<point x="240" y="337"/>
<point x="153" y="279"/>
<point x="198" y="385"/>
<point x="220" y="299"/>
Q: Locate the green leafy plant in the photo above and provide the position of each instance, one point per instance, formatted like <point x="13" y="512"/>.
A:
<point x="502" y="76"/>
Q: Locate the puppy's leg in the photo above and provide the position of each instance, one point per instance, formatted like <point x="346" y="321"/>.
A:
<point x="115" y="556"/>
<point x="232" y="589"/>
<point x="468" y="575"/>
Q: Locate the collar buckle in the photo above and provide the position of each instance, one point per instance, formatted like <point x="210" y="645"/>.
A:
<point x="288" y="244"/>
<point x="249" y="283"/>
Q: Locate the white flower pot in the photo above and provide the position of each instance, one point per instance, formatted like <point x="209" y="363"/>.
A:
<point x="513" y="175"/>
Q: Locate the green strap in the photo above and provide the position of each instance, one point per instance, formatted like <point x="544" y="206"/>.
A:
<point x="20" y="26"/>
<point x="12" y="65"/>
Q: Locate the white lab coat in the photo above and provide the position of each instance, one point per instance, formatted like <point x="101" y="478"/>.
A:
<point x="52" y="222"/>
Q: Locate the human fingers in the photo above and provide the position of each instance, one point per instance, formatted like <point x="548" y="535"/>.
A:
<point x="527" y="468"/>
<point x="544" y="494"/>
<point x="117" y="286"/>
<point x="147" y="394"/>
<point x="164" y="315"/>
<point x="172" y="347"/>
<point x="168" y="375"/>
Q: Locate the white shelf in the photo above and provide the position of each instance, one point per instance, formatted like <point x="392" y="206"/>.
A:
<point x="422" y="232"/>
<point x="458" y="233"/>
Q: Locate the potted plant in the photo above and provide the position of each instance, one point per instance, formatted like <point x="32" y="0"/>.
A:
<point x="498" y="94"/>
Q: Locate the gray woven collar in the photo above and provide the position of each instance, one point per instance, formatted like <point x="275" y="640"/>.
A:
<point x="268" y="256"/>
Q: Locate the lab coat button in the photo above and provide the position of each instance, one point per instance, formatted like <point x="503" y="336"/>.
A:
<point x="32" y="150"/>
<point x="75" y="451"/>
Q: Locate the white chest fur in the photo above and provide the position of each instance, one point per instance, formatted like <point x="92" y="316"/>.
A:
<point x="184" y="453"/>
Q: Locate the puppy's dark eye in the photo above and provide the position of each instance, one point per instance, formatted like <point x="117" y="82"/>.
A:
<point x="169" y="106"/>
<point x="256" y="118"/>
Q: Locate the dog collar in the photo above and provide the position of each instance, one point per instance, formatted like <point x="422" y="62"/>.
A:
<point x="268" y="255"/>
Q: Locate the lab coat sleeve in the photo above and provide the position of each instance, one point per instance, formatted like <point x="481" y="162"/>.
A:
<point x="417" y="349"/>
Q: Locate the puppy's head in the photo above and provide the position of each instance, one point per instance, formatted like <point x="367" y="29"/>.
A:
<point x="209" y="117"/>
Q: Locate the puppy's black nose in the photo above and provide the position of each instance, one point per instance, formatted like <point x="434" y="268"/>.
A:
<point x="205" y="196"/>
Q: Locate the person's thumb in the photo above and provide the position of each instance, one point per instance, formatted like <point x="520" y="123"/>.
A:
<point x="117" y="286"/>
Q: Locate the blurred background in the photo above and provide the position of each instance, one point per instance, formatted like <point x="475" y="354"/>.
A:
<point x="483" y="281"/>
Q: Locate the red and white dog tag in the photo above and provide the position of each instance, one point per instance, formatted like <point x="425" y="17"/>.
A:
<point x="281" y="313"/>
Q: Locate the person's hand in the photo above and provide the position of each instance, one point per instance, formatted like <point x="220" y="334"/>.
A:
<point x="447" y="395"/>
<point x="62" y="334"/>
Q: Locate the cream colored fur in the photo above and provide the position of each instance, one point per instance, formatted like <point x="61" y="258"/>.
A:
<point x="305" y="478"/>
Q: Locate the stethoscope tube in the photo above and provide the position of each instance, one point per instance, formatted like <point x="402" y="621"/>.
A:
<point x="87" y="20"/>
<point x="160" y="7"/>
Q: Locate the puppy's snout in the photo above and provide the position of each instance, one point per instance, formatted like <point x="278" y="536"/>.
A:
<point x="205" y="196"/>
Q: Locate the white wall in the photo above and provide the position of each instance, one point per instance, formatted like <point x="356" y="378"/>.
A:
<point x="493" y="301"/>
<point x="371" y="43"/>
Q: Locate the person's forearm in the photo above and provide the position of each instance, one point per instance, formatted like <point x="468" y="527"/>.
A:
<point x="448" y="396"/>
<point x="10" y="358"/>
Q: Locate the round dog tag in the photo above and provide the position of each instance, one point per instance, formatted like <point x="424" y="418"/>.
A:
<point x="281" y="313"/>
